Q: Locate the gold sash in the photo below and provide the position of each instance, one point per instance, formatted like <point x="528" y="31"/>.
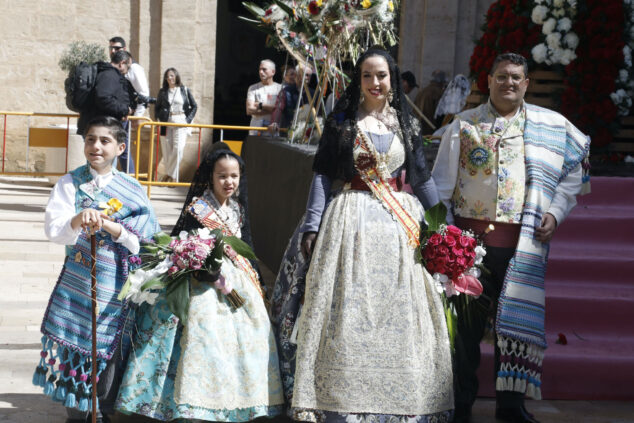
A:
<point x="368" y="172"/>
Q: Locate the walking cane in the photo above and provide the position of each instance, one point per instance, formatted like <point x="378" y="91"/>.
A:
<point x="93" y="292"/>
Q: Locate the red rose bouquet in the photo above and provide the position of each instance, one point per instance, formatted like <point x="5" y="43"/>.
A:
<point x="454" y="258"/>
<point x="450" y="255"/>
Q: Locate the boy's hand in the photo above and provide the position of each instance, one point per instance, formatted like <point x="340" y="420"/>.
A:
<point x="90" y="220"/>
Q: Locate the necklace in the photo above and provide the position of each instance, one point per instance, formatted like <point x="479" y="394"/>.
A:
<point x="385" y="119"/>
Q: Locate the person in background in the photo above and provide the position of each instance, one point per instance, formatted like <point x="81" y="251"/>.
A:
<point x="408" y="81"/>
<point x="290" y="98"/>
<point x="427" y="99"/>
<point x="174" y="103"/>
<point x="261" y="96"/>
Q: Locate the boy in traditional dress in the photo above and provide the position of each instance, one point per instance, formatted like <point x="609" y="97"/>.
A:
<point x="94" y="198"/>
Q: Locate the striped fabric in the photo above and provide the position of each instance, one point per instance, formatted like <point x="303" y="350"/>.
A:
<point x="553" y="148"/>
<point x="67" y="321"/>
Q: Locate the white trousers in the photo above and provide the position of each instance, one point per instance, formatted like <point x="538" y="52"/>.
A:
<point x="173" y="145"/>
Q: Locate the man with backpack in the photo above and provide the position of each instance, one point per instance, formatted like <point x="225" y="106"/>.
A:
<point x="111" y="95"/>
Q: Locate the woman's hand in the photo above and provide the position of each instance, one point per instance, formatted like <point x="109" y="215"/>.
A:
<point x="308" y="242"/>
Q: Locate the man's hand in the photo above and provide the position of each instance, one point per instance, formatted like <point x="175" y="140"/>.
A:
<point x="545" y="232"/>
<point x="308" y="242"/>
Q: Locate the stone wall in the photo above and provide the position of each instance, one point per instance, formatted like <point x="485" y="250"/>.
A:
<point x="439" y="34"/>
<point x="159" y="33"/>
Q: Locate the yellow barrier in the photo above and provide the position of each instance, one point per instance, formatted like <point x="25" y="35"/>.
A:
<point x="149" y="181"/>
<point x="58" y="138"/>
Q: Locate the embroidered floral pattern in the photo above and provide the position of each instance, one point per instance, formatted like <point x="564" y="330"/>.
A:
<point x="491" y="177"/>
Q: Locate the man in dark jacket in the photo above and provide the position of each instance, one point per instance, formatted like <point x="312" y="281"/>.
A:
<point x="111" y="93"/>
<point x="111" y="96"/>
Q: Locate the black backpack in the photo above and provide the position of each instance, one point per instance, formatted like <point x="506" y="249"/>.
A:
<point x="79" y="86"/>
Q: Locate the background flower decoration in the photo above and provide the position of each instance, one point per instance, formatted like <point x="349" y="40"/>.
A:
<point x="622" y="96"/>
<point x="588" y="42"/>
<point x="558" y="40"/>
<point x="508" y="28"/>
<point x="591" y="78"/>
<point x="324" y="34"/>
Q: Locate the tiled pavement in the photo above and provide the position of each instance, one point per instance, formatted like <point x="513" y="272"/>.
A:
<point x="29" y="266"/>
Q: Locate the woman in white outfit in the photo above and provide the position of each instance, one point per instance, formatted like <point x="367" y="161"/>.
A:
<point x="176" y="104"/>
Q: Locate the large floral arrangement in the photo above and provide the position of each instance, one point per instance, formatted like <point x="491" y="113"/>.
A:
<point x="592" y="77"/>
<point x="454" y="258"/>
<point x="324" y="34"/>
<point x="508" y="28"/>
<point x="167" y="263"/>
<point x="556" y="18"/>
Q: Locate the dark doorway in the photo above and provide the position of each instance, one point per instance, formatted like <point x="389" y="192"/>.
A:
<point x="239" y="49"/>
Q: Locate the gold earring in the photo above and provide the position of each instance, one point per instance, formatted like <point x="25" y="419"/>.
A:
<point x="361" y="98"/>
<point x="390" y="96"/>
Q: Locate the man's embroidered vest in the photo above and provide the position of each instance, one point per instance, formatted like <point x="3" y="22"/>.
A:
<point x="491" y="174"/>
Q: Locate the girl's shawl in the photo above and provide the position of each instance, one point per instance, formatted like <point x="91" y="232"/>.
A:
<point x="553" y="148"/>
<point x="68" y="317"/>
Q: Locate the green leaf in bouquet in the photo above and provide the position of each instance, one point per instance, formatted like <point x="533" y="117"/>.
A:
<point x="124" y="290"/>
<point x="149" y="249"/>
<point x="177" y="297"/>
<point x="452" y="324"/>
<point x="240" y="247"/>
<point x="153" y="283"/>
<point x="436" y="216"/>
<point x="253" y="8"/>
<point x="286" y="8"/>
<point x="162" y="238"/>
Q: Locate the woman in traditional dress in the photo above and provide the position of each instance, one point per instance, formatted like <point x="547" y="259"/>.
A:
<point x="372" y="343"/>
<point x="223" y="364"/>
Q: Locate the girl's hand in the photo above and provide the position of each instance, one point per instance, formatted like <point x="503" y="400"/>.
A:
<point x="308" y="242"/>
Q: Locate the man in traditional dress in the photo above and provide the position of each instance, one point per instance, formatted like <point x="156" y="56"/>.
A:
<point x="517" y="166"/>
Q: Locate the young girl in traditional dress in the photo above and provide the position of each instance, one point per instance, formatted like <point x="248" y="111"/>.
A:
<point x="74" y="211"/>
<point x="223" y="364"/>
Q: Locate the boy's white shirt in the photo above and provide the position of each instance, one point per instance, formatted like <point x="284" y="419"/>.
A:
<point x="61" y="209"/>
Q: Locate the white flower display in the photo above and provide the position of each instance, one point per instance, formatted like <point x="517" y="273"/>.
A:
<point x="553" y="40"/>
<point x="556" y="18"/>
<point x="623" y="75"/>
<point x="571" y="40"/>
<point x="624" y="94"/>
<point x="539" y="53"/>
<point x="539" y="14"/>
<point x="567" y="57"/>
<point x="558" y="13"/>
<point x="564" y="24"/>
<point x="549" y="26"/>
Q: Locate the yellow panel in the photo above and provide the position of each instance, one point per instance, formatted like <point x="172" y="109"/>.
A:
<point x="235" y="146"/>
<point x="48" y="137"/>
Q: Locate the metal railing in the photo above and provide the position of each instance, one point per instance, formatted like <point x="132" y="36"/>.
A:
<point x="152" y="165"/>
